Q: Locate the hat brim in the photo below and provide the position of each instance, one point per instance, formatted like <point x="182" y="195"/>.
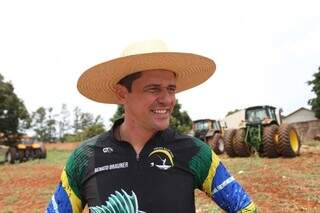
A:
<point x="98" y="82"/>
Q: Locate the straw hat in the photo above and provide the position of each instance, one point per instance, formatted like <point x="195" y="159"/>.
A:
<point x="98" y="82"/>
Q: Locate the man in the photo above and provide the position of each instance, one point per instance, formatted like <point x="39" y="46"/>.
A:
<point x="141" y="165"/>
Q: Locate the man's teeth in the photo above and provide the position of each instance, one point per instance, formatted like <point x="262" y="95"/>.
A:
<point x="160" y="111"/>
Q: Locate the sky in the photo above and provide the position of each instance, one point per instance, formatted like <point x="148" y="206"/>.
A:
<point x="265" y="51"/>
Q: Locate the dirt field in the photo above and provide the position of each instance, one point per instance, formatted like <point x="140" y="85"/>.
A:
<point x="276" y="185"/>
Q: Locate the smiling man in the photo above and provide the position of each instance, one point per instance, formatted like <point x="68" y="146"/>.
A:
<point x="141" y="165"/>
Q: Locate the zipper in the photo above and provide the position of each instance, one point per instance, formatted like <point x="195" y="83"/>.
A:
<point x="138" y="162"/>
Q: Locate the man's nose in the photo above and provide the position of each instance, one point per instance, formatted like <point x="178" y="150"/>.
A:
<point x="165" y="96"/>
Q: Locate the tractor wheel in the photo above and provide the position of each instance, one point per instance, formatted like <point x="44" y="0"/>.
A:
<point x="33" y="154"/>
<point x="38" y="153"/>
<point x="240" y="147"/>
<point x="228" y="139"/>
<point x="270" y="141"/>
<point x="43" y="151"/>
<point x="27" y="154"/>
<point x="21" y="155"/>
<point x="11" y="155"/>
<point x="216" y="143"/>
<point x="290" y="144"/>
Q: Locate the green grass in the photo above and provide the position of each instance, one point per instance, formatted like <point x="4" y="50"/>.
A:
<point x="2" y="153"/>
<point x="313" y="143"/>
<point x="6" y="210"/>
<point x="11" y="200"/>
<point x="303" y="181"/>
<point x="54" y="157"/>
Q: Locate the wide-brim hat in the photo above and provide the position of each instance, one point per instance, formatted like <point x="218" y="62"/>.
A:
<point x="98" y="83"/>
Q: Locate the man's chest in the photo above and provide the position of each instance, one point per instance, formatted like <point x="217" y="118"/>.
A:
<point x="158" y="178"/>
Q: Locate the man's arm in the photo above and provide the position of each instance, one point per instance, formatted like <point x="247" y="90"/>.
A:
<point x="64" y="198"/>
<point x="225" y="190"/>
<point x="213" y="178"/>
<point x="67" y="196"/>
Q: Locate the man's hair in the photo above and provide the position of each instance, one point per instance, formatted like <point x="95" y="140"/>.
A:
<point x="128" y="80"/>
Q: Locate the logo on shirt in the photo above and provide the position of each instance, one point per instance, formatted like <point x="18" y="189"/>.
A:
<point x="119" y="202"/>
<point x="114" y="166"/>
<point x="161" y="158"/>
<point x="107" y="150"/>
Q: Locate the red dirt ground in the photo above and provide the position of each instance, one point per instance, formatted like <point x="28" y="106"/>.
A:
<point x="26" y="187"/>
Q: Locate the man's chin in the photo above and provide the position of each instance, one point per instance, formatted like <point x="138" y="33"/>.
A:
<point x="162" y="125"/>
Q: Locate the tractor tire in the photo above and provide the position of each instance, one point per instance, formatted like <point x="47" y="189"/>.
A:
<point x="21" y="155"/>
<point x="289" y="141"/>
<point x="33" y="154"/>
<point x="216" y="143"/>
<point x="270" y="141"/>
<point x="37" y="153"/>
<point x="11" y="155"/>
<point x="43" y="151"/>
<point x="27" y="154"/>
<point x="239" y="146"/>
<point x="228" y="140"/>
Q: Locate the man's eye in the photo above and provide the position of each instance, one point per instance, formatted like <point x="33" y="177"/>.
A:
<point x="154" y="90"/>
<point x="171" y="90"/>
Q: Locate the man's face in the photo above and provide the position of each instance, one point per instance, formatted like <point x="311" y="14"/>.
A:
<point x="151" y="100"/>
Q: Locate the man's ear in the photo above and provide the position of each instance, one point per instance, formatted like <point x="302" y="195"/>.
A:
<point x="121" y="93"/>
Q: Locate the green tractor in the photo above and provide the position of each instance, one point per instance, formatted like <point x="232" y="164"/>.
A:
<point x="261" y="132"/>
<point x="210" y="132"/>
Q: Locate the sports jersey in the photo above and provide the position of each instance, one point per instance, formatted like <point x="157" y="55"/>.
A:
<point x="108" y="176"/>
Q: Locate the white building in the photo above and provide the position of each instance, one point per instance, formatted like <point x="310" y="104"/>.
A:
<point x="300" y="115"/>
<point x="234" y="120"/>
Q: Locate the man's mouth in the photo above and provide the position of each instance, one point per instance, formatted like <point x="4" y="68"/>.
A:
<point x="160" y="111"/>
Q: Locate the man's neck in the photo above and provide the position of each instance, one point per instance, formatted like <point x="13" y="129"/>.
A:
<point x="134" y="134"/>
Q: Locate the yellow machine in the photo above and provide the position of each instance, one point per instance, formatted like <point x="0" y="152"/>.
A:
<point x="24" y="150"/>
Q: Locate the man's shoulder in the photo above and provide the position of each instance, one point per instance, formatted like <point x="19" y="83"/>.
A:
<point x="88" y="146"/>
<point x="182" y="136"/>
<point x="98" y="140"/>
<point x="184" y="140"/>
<point x="174" y="135"/>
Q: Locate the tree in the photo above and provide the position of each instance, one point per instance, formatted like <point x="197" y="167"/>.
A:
<point x="315" y="102"/>
<point x="86" y="120"/>
<point x="76" y="122"/>
<point x="118" y="114"/>
<point x="233" y="111"/>
<point x="179" y="120"/>
<point x="95" y="128"/>
<point x="14" y="117"/>
<point x="85" y="125"/>
<point x="51" y="123"/>
<point x="63" y="123"/>
<point x="38" y="123"/>
<point x="44" y="124"/>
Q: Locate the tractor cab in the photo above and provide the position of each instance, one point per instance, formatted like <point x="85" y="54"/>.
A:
<point x="261" y="115"/>
<point x="204" y="128"/>
<point x="210" y="132"/>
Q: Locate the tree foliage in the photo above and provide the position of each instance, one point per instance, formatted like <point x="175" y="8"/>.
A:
<point x="179" y="120"/>
<point x="94" y="129"/>
<point x="76" y="121"/>
<point x="86" y="125"/>
<point x="14" y="117"/>
<point x="118" y="114"/>
<point x="233" y="111"/>
<point x="44" y="124"/>
<point x="64" y="122"/>
<point x="315" y="102"/>
<point x="50" y="127"/>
